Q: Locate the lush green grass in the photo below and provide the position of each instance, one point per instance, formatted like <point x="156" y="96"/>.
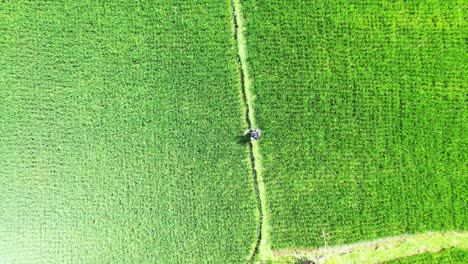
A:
<point x="363" y="107"/>
<point x="451" y="255"/>
<point x="119" y="126"/>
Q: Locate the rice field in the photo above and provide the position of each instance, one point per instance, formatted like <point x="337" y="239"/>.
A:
<point x="363" y="108"/>
<point x="118" y="134"/>
<point x="121" y="127"/>
<point x="450" y="255"/>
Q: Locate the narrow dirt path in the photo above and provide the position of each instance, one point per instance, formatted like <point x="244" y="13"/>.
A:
<point x="249" y="118"/>
<point x="380" y="250"/>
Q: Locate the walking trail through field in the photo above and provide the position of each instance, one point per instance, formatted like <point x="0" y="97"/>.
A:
<point x="384" y="249"/>
<point x="260" y="247"/>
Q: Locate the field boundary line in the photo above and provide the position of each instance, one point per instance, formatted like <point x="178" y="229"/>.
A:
<point x="261" y="248"/>
<point x="383" y="249"/>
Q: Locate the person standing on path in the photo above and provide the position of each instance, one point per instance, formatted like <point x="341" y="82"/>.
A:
<point x="255" y="134"/>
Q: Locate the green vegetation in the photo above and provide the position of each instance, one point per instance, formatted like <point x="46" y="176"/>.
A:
<point x="451" y="255"/>
<point x="118" y="134"/>
<point x="121" y="124"/>
<point x="363" y="108"/>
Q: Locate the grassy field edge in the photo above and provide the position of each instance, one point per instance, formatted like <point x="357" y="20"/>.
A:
<point x="380" y="250"/>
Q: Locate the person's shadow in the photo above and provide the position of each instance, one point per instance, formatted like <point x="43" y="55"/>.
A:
<point x="243" y="139"/>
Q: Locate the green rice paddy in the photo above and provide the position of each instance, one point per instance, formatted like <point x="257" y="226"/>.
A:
<point x="118" y="135"/>
<point x="121" y="127"/>
<point x="363" y="104"/>
<point x="452" y="255"/>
